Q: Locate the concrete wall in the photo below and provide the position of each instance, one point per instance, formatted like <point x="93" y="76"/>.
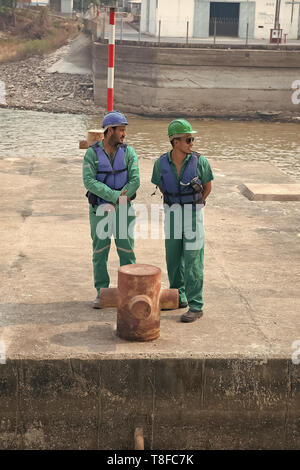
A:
<point x="177" y="17"/>
<point x="180" y="403"/>
<point x="174" y="19"/>
<point x="149" y="21"/>
<point x="197" y="82"/>
<point x="299" y="24"/>
<point x="67" y="6"/>
<point x="265" y="16"/>
<point x="247" y="16"/>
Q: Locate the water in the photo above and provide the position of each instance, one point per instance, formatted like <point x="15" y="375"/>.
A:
<point x="32" y="134"/>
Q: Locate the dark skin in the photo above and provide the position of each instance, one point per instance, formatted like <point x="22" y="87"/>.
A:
<point x="179" y="153"/>
<point x="114" y="137"/>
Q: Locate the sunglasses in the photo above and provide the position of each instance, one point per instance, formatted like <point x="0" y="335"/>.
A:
<point x="188" y="140"/>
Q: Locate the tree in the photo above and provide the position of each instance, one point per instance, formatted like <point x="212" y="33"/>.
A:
<point x="7" y="13"/>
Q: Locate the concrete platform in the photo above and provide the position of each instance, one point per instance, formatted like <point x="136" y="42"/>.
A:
<point x="228" y="381"/>
<point x="271" y="192"/>
<point x="77" y="60"/>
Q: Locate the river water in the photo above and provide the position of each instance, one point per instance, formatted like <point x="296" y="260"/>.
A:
<point x="33" y="134"/>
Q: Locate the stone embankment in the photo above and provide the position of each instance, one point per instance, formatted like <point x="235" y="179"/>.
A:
<point x="28" y="85"/>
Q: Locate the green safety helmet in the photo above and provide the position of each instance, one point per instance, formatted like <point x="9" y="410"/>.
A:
<point x="178" y="128"/>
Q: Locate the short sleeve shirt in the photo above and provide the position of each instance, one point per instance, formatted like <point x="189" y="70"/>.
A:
<point x="203" y="169"/>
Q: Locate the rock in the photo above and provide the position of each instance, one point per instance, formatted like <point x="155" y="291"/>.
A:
<point x="44" y="91"/>
<point x="65" y="86"/>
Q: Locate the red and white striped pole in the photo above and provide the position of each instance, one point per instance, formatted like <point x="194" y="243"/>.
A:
<point x="111" y="60"/>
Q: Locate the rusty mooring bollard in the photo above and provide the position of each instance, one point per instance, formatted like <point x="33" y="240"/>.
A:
<point x="139" y="300"/>
<point x="139" y="439"/>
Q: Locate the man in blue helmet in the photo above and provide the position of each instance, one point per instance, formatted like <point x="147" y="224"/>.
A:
<point x="111" y="176"/>
<point x="184" y="177"/>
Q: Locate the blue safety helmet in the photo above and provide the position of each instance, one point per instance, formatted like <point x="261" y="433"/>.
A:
<point x="113" y="119"/>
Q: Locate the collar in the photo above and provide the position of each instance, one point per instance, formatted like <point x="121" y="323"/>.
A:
<point x="188" y="156"/>
<point x="101" y="144"/>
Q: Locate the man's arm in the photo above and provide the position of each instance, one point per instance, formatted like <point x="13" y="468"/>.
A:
<point x="89" y="174"/>
<point x="133" y="173"/>
<point x="207" y="189"/>
<point x="206" y="176"/>
<point x="156" y="175"/>
<point x="155" y="179"/>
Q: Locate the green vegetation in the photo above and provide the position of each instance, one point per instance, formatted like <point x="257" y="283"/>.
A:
<point x="30" y="31"/>
<point x="7" y="13"/>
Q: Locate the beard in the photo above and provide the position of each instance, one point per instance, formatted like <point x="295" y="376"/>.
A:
<point x="114" y="140"/>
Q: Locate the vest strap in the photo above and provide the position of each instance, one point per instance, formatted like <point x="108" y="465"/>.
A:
<point x="173" y="192"/>
<point x="187" y="193"/>
<point x="113" y="172"/>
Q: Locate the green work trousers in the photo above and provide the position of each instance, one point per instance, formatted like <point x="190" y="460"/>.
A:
<point x="103" y="227"/>
<point x="184" y="243"/>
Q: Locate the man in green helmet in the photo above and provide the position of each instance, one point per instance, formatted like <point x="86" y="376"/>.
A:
<point x="184" y="177"/>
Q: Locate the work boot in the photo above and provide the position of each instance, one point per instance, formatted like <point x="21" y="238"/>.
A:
<point x="96" y="303"/>
<point x="191" y="315"/>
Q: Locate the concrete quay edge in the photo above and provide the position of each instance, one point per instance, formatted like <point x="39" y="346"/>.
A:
<point x="214" y="404"/>
<point x="226" y="381"/>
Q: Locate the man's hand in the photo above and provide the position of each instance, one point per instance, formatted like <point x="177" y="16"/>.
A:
<point x="207" y="189"/>
<point x="122" y="200"/>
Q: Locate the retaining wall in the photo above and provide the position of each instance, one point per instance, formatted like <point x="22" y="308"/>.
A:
<point x="181" y="403"/>
<point x="197" y="81"/>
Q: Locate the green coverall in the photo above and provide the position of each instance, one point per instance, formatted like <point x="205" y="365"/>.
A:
<point x="185" y="259"/>
<point x="100" y="232"/>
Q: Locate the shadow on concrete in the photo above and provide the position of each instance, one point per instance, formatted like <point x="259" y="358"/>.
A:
<point x="173" y="315"/>
<point x="57" y="313"/>
<point x="97" y="339"/>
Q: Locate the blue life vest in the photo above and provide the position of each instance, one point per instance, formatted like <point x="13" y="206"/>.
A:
<point x="180" y="192"/>
<point x="115" y="176"/>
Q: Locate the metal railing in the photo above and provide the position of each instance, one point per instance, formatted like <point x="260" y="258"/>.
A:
<point x="221" y="31"/>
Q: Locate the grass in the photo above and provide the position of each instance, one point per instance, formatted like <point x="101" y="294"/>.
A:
<point x="34" y="35"/>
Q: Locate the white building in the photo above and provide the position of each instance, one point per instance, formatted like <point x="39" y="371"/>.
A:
<point x="67" y="7"/>
<point x="231" y="16"/>
<point x="31" y="3"/>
